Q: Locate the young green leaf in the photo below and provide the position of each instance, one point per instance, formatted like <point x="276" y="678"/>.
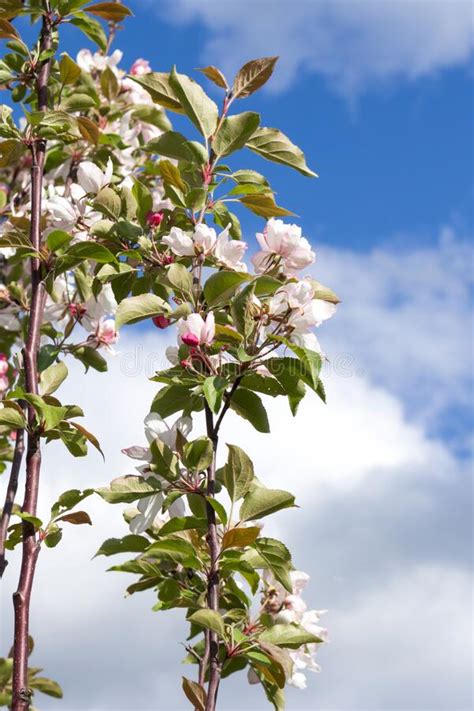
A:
<point x="197" y="105"/>
<point x="210" y="619"/>
<point x="238" y="473"/>
<point x="272" y="144"/>
<point x="249" y="406"/>
<point x="234" y="132"/>
<point x="137" y="308"/>
<point x="260" y="502"/>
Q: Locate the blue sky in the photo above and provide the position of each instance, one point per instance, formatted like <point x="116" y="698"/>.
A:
<point x="379" y="94"/>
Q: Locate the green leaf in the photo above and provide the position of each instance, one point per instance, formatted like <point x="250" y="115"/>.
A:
<point x="264" y="205"/>
<point x="272" y="144"/>
<point x="198" y="454"/>
<point x="164" y="460"/>
<point x="234" y="132"/>
<point x="143" y="199"/>
<point x="170" y="399"/>
<point x="91" y="358"/>
<point x="11" y="418"/>
<point x="195" y="693"/>
<point x="115" y="12"/>
<point x="58" y="239"/>
<point x="68" y="499"/>
<point x="159" y="87"/>
<point x="171" y="174"/>
<point x="170" y="144"/>
<point x="180" y="278"/>
<point x="109" y="84"/>
<point x="69" y="71"/>
<point x="290" y="373"/>
<point x="249" y="406"/>
<point x="137" y="308"/>
<point x="46" y="686"/>
<point x="221" y="286"/>
<point x="214" y="388"/>
<point x="109" y="203"/>
<point x="242" y="309"/>
<point x="78" y="102"/>
<point x="252" y="76"/>
<point x="176" y="548"/>
<point x="310" y="360"/>
<point x="277" y="558"/>
<point x="260" y="502"/>
<point x="218" y="508"/>
<point x="91" y="28"/>
<point x="238" y="473"/>
<point x="197" y="105"/>
<point x="292" y="636"/>
<point x="91" y="250"/>
<point x="127" y="544"/>
<point x="240" y="537"/>
<point x="52" y="377"/>
<point x="210" y="619"/>
<point x="183" y="523"/>
<point x="53" y="536"/>
<point x="126" y="489"/>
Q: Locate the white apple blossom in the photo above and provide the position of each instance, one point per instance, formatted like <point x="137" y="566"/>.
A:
<point x="229" y="252"/>
<point x="303" y="312"/>
<point x="204" y="239"/>
<point x="98" y="61"/>
<point x="91" y="178"/>
<point x="290" y="608"/>
<point x="284" y="245"/>
<point x="179" y="242"/>
<point x="195" y="331"/>
<point x="150" y="506"/>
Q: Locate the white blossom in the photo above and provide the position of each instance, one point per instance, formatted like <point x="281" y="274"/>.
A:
<point x="282" y="244"/>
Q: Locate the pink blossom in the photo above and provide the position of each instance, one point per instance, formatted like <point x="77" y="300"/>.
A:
<point x="4" y="384"/>
<point x="283" y="244"/>
<point x="139" y="67"/>
<point x="195" y="331"/>
<point x="3" y="364"/>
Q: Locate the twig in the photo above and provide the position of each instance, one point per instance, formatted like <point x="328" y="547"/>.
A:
<point x="10" y="495"/>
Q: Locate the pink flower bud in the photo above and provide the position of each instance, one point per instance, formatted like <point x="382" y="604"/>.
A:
<point x="154" y="219"/>
<point x="139" y="67"/>
<point x="167" y="259"/>
<point x="161" y="321"/>
<point x="190" y="339"/>
<point x="184" y="363"/>
<point x="3" y="364"/>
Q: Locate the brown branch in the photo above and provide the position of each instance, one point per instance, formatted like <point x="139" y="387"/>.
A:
<point x="10" y="495"/>
<point x="22" y="596"/>
<point x="213" y="574"/>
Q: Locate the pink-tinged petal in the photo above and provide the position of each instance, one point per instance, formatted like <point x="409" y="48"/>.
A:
<point x="136" y="452"/>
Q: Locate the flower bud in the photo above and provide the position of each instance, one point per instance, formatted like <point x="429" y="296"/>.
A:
<point x="161" y="321"/>
<point x="154" y="219"/>
<point x="190" y="339"/>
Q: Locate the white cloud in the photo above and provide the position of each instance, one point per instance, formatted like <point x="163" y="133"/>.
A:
<point x="383" y="527"/>
<point x="353" y="43"/>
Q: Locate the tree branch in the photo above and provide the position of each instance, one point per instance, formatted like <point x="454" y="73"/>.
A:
<point x="10" y="495"/>
<point x="213" y="575"/>
<point x="22" y="596"/>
